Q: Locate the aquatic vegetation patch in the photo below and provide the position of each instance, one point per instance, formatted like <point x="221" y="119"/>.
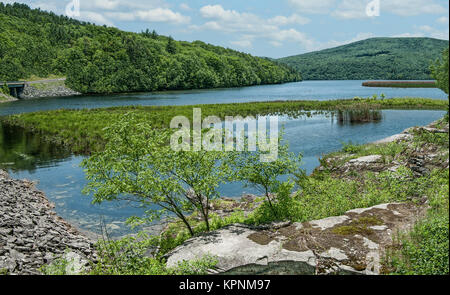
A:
<point x="401" y="84"/>
<point x="82" y="130"/>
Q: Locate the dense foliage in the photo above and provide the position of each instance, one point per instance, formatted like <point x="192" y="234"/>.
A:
<point x="100" y="59"/>
<point x="440" y="71"/>
<point x="376" y="58"/>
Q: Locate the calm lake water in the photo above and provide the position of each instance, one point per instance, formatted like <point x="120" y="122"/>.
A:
<point x="307" y="90"/>
<point x="58" y="174"/>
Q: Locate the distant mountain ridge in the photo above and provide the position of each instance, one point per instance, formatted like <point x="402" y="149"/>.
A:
<point x="374" y="58"/>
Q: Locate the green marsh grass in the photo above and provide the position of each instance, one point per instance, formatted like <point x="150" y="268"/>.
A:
<point x="82" y="130"/>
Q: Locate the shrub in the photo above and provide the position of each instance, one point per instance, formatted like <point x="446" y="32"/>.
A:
<point x="425" y="250"/>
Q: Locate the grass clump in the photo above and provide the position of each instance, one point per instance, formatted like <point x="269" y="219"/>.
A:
<point x="424" y="251"/>
<point x="358" y="113"/>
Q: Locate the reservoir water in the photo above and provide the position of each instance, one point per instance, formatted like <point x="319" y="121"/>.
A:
<point x="307" y="90"/>
<point x="57" y="172"/>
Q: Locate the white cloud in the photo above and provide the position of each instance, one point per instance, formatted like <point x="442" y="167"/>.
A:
<point x="105" y="4"/>
<point x="108" y="11"/>
<point x="412" y="7"/>
<point x="293" y="35"/>
<point x="253" y="26"/>
<point x="433" y="32"/>
<point x="355" y="9"/>
<point x="163" y="15"/>
<point x="313" y="6"/>
<point x="281" y="20"/>
<point x="185" y="7"/>
<point x="351" y="9"/>
<point x="122" y="5"/>
<point x="121" y="16"/>
<point x="243" y="43"/>
<point x="443" y="20"/>
<point x="276" y="43"/>
<point x="426" y="31"/>
<point x="95" y="17"/>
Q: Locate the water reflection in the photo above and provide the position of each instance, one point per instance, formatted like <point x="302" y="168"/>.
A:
<point x="22" y="150"/>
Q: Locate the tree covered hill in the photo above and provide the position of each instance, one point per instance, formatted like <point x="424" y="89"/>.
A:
<point x="100" y="59"/>
<point x="375" y="58"/>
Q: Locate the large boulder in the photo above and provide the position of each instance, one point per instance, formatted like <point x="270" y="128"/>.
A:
<point x="353" y="243"/>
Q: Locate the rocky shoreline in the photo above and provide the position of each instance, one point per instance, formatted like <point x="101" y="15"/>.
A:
<point x="42" y="89"/>
<point x="31" y="233"/>
<point x="31" y="91"/>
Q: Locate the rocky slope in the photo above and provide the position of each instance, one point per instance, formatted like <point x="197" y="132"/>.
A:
<point x="31" y="234"/>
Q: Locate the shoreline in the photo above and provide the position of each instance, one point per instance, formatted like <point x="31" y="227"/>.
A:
<point x="31" y="233"/>
<point x="47" y="88"/>
<point x="6" y="98"/>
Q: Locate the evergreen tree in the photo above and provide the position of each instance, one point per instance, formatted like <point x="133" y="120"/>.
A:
<point x="171" y="46"/>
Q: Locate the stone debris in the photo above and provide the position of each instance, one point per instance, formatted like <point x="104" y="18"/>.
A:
<point x="393" y="138"/>
<point x="30" y="92"/>
<point x="366" y="160"/>
<point x="31" y="234"/>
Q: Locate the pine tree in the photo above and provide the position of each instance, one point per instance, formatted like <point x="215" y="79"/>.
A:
<point x="171" y="46"/>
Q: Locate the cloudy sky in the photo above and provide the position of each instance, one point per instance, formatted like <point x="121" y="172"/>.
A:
<point x="273" y="28"/>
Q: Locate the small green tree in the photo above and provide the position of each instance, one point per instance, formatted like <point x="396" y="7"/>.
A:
<point x="439" y="71"/>
<point x="265" y="176"/>
<point x="154" y="35"/>
<point x="137" y="164"/>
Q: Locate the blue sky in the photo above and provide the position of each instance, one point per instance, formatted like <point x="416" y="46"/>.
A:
<point x="274" y="28"/>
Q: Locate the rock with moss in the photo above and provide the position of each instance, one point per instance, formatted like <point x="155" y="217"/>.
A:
<point x="349" y="244"/>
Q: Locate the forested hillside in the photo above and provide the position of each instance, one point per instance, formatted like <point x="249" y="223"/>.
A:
<point x="100" y="59"/>
<point x="376" y="58"/>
